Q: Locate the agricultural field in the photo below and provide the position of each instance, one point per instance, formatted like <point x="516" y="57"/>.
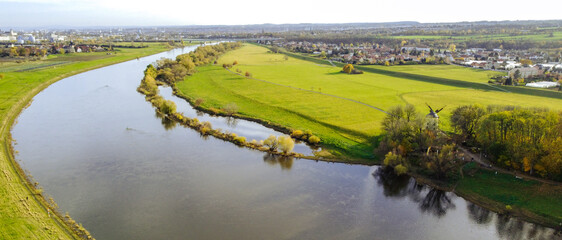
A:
<point x="291" y="92"/>
<point x="442" y="71"/>
<point x="22" y="217"/>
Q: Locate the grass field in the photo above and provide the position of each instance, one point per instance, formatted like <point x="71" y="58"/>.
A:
<point x="342" y="123"/>
<point x="21" y="216"/>
<point x="499" y="190"/>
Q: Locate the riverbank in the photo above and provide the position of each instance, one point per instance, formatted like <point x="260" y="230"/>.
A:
<point x="287" y="108"/>
<point x="26" y="211"/>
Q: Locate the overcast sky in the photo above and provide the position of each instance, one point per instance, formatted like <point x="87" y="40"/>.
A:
<point x="78" y="13"/>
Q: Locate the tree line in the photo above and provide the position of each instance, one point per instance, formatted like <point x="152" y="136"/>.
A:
<point x="524" y="139"/>
<point x="170" y="71"/>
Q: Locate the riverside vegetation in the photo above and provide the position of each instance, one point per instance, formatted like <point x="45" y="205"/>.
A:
<point x="27" y="212"/>
<point x="169" y="72"/>
<point x="348" y="113"/>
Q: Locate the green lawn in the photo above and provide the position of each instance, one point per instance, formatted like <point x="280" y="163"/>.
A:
<point x="21" y="217"/>
<point x="499" y="188"/>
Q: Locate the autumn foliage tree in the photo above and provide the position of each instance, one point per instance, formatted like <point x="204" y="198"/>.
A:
<point x="525" y="139"/>
<point x="348" y="68"/>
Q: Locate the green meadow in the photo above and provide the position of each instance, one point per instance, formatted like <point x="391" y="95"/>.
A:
<point x="289" y="94"/>
<point x="496" y="191"/>
<point x="23" y="213"/>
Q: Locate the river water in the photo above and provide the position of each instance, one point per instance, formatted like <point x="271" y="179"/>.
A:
<point x="97" y="147"/>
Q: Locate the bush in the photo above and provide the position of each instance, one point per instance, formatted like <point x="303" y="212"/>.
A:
<point x="297" y="133"/>
<point x="313" y="139"/>
<point x="286" y="144"/>
<point x="199" y="101"/>
<point x="235" y="62"/>
<point x="248" y="74"/>
<point x="348" y="68"/>
<point x="271" y="142"/>
<point x="231" y="108"/>
<point x="400" y="169"/>
<point x="168" y="107"/>
<point x="239" y="140"/>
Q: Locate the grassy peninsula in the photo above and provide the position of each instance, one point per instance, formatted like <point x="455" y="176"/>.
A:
<point x="25" y="213"/>
<point x="346" y="111"/>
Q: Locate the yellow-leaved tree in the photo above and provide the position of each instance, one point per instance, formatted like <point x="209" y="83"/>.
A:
<point x="348" y="68"/>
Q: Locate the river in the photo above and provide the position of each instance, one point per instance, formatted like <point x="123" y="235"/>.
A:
<point x="96" y="146"/>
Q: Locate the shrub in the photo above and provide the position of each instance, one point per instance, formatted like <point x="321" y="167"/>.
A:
<point x="348" y="68"/>
<point x="248" y="74"/>
<point x="240" y="140"/>
<point x="204" y="130"/>
<point x="157" y="101"/>
<point x="231" y="108"/>
<point x="313" y="139"/>
<point x="199" y="101"/>
<point x="297" y="134"/>
<point x="235" y="62"/>
<point x="356" y="71"/>
<point x="400" y="169"/>
<point x="168" y="107"/>
<point x="271" y="142"/>
<point x="286" y="144"/>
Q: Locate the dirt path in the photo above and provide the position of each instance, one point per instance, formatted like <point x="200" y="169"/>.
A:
<point x="486" y="163"/>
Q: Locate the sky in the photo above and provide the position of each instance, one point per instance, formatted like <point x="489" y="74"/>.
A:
<point x="87" y="13"/>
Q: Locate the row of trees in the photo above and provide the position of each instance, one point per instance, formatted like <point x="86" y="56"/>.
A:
<point x="170" y="71"/>
<point x="526" y="139"/>
<point x="23" y="52"/>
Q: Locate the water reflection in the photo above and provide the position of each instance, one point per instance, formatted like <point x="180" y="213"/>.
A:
<point x="168" y="123"/>
<point x="437" y="202"/>
<point x="430" y="200"/>
<point x="479" y="214"/>
<point x="231" y="122"/>
<point x="286" y="163"/>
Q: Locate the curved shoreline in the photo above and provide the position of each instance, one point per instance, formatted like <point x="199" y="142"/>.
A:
<point x="73" y="231"/>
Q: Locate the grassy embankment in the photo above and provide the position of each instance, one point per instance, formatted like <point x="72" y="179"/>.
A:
<point x="350" y="128"/>
<point x="23" y="213"/>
